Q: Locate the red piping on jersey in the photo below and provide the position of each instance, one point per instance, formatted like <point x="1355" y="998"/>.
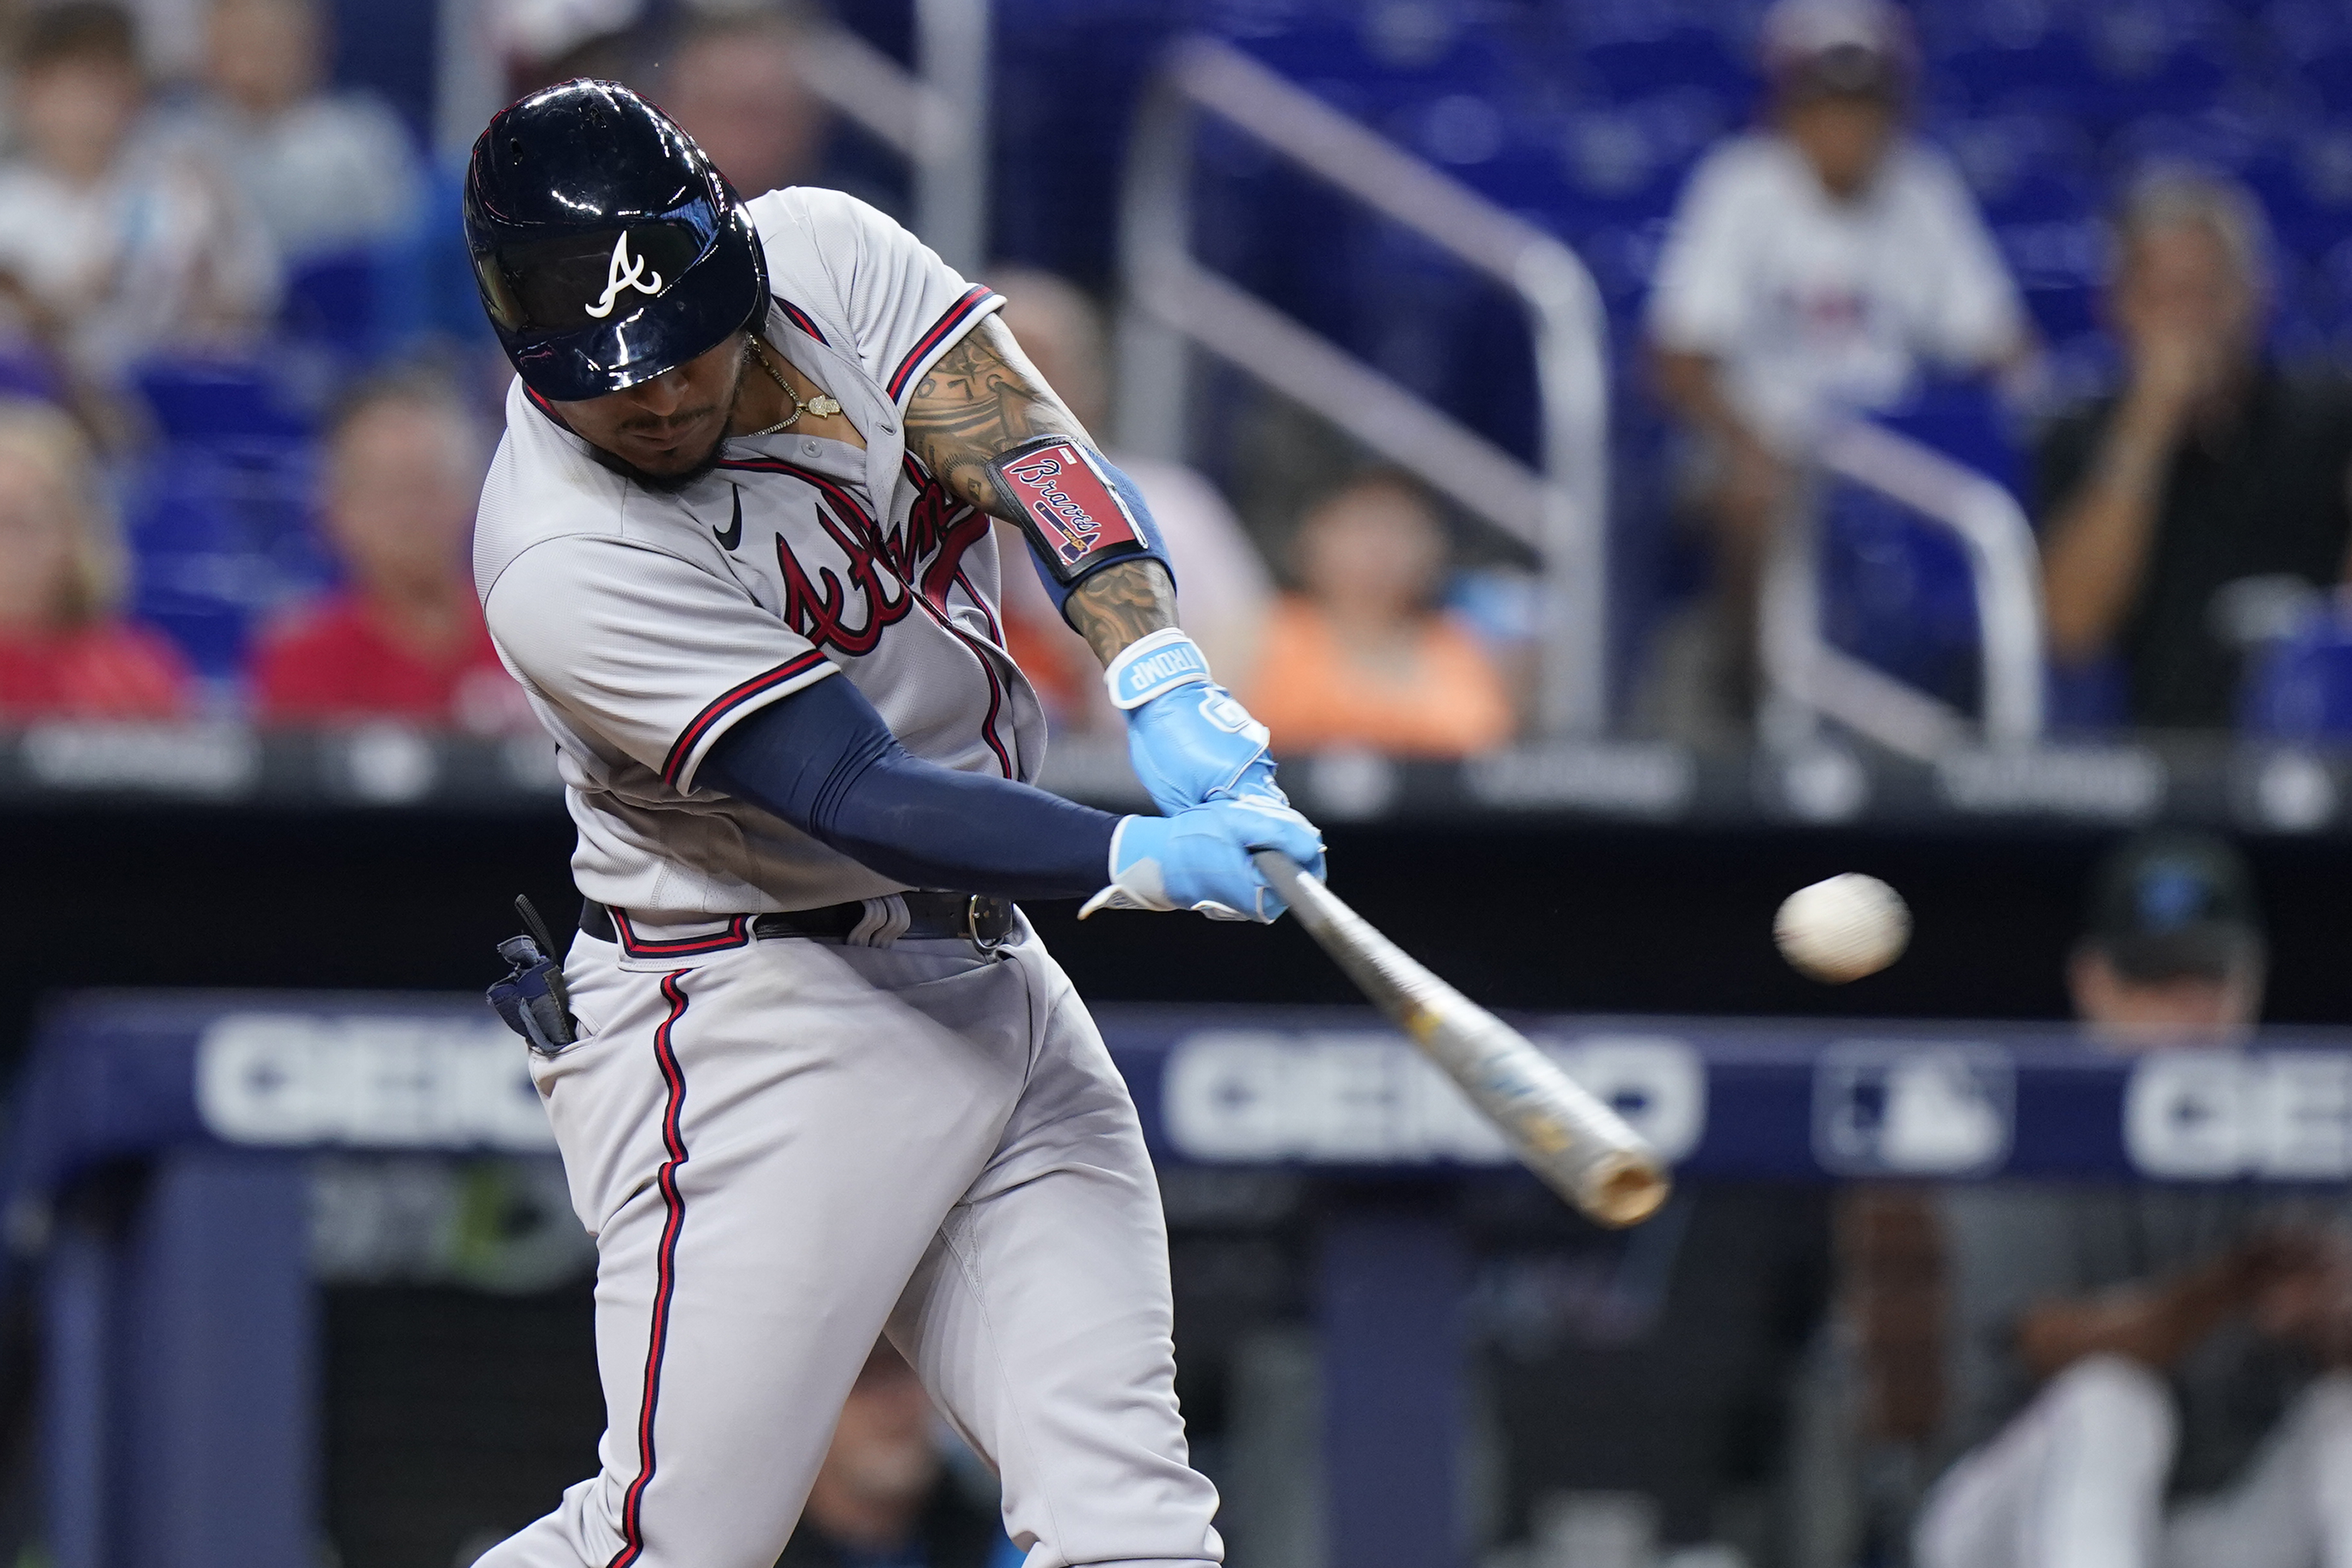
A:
<point x="737" y="932"/>
<point x="848" y="503"/>
<point x="673" y="765"/>
<point x="978" y="295"/>
<point x="632" y="1530"/>
<point x="797" y="316"/>
<point x="958" y="525"/>
<point x="996" y="632"/>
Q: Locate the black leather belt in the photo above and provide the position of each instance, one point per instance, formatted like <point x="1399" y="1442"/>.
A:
<point x="976" y="917"/>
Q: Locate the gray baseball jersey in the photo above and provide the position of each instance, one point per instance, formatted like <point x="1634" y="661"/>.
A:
<point x="785" y="1146"/>
<point x="644" y="624"/>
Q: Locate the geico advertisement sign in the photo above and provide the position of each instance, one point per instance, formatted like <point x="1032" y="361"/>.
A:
<point x="1232" y="1096"/>
<point x="2282" y="1114"/>
<point x="368" y="1082"/>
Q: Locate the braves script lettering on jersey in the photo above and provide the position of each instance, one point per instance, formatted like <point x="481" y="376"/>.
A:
<point x="783" y="1146"/>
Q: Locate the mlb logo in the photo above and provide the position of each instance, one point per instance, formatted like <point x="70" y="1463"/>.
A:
<point x="1923" y="1108"/>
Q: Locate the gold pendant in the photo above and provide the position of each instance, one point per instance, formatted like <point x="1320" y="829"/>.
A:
<point x="822" y="406"/>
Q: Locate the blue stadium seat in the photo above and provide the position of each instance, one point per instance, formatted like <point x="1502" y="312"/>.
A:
<point x="1896" y="589"/>
<point x="1377" y="62"/>
<point x="1990" y="54"/>
<point x="2059" y="263"/>
<point x="1895" y="593"/>
<point x="2304" y="182"/>
<point x="2302" y="689"/>
<point x="2022" y="168"/>
<point x="221" y="540"/>
<point x="1626" y="163"/>
<point x="1622" y="50"/>
<point x="2093" y="62"/>
<point x="213" y="400"/>
<point x="2314" y="37"/>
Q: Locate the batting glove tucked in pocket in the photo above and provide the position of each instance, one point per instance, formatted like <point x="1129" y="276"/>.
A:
<point x="1200" y="859"/>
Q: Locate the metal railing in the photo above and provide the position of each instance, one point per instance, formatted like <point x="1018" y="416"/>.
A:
<point x="1809" y="680"/>
<point x="937" y="117"/>
<point x="1172" y="303"/>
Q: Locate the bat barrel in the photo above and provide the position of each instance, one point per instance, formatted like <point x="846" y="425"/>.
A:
<point x="1581" y="1148"/>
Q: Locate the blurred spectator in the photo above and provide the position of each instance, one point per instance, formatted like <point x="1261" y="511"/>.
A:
<point x="1360" y="657"/>
<point x="64" y="652"/>
<point x="114" y="242"/>
<point x="1820" y="264"/>
<point x="733" y="80"/>
<point x="2208" y="471"/>
<point x="883" y="1498"/>
<point x="326" y="171"/>
<point x="1224" y="589"/>
<point x="404" y="638"/>
<point x="2114" y="1348"/>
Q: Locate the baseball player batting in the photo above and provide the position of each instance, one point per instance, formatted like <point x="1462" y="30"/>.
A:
<point x="813" y="1077"/>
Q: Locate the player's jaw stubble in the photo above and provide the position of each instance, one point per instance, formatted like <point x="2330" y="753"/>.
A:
<point x="669" y="432"/>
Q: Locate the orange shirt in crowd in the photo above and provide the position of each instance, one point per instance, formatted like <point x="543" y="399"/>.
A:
<point x="1312" y="696"/>
<point x="336" y="661"/>
<point x="110" y="670"/>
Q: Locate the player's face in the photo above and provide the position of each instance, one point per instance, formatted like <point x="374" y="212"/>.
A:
<point x="667" y="431"/>
<point x="2185" y="1010"/>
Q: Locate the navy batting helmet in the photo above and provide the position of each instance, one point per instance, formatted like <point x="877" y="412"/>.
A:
<point x="607" y="246"/>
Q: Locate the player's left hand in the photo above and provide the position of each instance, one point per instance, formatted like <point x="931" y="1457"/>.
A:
<point x="1200" y="859"/>
<point x="1190" y="740"/>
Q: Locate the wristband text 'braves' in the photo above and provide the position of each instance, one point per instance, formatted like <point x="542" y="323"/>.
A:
<point x="1066" y="504"/>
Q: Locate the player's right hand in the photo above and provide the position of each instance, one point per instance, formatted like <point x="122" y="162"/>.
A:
<point x="1200" y="859"/>
<point x="1191" y="740"/>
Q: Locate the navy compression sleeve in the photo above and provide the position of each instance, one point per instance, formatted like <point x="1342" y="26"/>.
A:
<point x="823" y="762"/>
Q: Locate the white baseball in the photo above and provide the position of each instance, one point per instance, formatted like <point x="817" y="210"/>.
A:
<point x="1842" y="929"/>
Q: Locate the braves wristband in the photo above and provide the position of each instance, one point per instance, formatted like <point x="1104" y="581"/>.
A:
<point x="1151" y="666"/>
<point x="1070" y="506"/>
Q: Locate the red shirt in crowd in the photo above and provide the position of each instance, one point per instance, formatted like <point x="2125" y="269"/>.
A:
<point x="108" y="670"/>
<point x="339" y="661"/>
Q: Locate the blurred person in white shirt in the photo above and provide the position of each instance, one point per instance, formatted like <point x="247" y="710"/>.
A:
<point x="326" y="171"/>
<point x="1220" y="579"/>
<point x="115" y="243"/>
<point x="1821" y="263"/>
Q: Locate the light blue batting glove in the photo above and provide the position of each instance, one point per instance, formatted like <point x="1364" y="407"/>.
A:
<point x="1200" y="859"/>
<point x="1188" y="737"/>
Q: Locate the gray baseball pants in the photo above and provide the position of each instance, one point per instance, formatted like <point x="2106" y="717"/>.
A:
<point x="2077" y="1480"/>
<point x="784" y="1148"/>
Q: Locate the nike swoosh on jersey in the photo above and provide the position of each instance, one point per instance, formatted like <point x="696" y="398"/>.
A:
<point x="732" y="534"/>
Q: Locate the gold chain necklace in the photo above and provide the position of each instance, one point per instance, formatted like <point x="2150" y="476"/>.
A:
<point x="821" y="406"/>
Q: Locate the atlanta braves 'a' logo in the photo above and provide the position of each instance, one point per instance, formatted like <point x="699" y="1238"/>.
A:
<point x="624" y="271"/>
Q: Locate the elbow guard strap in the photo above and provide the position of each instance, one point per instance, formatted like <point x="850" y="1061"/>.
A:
<point x="1077" y="511"/>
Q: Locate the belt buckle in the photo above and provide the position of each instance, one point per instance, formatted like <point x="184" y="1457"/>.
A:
<point x="987" y="921"/>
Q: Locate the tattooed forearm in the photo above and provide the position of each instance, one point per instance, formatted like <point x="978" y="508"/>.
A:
<point x="982" y="397"/>
<point x="1121" y="603"/>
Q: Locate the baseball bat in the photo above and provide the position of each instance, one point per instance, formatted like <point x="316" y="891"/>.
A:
<point x="1581" y="1147"/>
